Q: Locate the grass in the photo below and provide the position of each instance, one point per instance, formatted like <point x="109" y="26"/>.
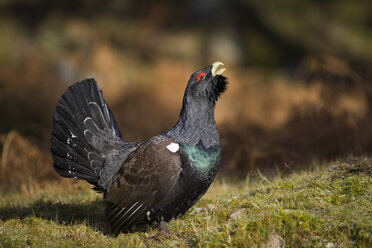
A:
<point x="328" y="207"/>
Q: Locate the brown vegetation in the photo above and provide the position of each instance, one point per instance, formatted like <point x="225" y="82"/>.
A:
<point x="300" y="84"/>
<point x="267" y="123"/>
<point x="23" y="164"/>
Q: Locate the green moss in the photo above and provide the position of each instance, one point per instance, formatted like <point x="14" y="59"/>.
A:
<point x="330" y="207"/>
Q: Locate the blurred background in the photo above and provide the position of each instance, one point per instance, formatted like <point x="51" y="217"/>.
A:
<point x="300" y="76"/>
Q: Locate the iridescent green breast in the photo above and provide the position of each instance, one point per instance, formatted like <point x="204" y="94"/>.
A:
<point x="205" y="161"/>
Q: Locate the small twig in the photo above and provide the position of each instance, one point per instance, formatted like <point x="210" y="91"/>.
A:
<point x="255" y="205"/>
<point x="263" y="177"/>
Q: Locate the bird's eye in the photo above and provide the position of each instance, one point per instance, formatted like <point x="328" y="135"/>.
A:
<point x="201" y="76"/>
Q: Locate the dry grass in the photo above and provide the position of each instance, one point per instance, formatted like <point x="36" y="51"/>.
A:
<point x="266" y="121"/>
<point x="23" y="165"/>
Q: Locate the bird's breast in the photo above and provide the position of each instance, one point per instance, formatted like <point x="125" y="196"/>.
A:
<point x="204" y="162"/>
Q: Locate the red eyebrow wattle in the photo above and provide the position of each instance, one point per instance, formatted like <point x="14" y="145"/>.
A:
<point x="200" y="75"/>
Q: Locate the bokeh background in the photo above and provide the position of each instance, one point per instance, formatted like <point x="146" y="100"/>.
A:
<point x="300" y="76"/>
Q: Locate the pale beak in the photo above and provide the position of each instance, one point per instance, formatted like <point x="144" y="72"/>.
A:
<point x="215" y="67"/>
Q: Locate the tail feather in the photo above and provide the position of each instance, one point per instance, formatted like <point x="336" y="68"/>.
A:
<point x="98" y="138"/>
<point x="59" y="134"/>
<point x="84" y="132"/>
<point x="84" y="173"/>
<point x="61" y="150"/>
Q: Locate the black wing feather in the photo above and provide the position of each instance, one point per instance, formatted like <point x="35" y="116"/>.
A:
<point x="148" y="175"/>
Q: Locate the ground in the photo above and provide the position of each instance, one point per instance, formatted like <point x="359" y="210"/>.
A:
<point x="326" y="207"/>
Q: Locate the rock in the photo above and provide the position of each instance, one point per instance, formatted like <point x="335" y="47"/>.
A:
<point x="236" y="214"/>
<point x="275" y="241"/>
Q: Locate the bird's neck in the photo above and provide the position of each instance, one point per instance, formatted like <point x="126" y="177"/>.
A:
<point x="196" y="124"/>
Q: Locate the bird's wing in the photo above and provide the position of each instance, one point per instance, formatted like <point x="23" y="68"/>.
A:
<point x="147" y="176"/>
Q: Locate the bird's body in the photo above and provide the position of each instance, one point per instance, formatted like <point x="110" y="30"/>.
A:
<point x="154" y="180"/>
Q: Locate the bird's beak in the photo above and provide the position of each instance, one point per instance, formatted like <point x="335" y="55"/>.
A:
<point x="215" y="66"/>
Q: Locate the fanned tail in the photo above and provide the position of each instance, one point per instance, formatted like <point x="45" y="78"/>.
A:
<point x="84" y="132"/>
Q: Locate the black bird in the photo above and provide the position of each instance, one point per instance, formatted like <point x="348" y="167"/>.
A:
<point x="153" y="180"/>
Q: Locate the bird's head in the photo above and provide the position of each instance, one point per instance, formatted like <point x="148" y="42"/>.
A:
<point x="207" y="83"/>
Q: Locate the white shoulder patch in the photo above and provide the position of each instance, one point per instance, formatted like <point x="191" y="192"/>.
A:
<point x="173" y="147"/>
